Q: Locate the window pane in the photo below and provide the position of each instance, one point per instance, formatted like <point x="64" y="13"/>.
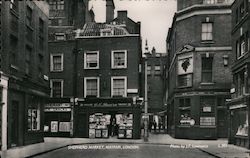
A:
<point x="56" y="88"/>
<point x="207" y="63"/>
<point x="185" y="80"/>
<point x="118" y="87"/>
<point x="92" y="87"/>
<point x="207" y="77"/>
<point x="119" y="59"/>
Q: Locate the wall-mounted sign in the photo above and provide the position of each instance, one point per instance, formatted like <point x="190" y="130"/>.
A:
<point x="58" y="105"/>
<point x="185" y="64"/>
<point x="57" y="109"/>
<point x="207" y="109"/>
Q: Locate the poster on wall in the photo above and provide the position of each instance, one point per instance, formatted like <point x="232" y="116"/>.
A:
<point x="91" y="133"/>
<point x="64" y="127"/>
<point x="54" y="126"/>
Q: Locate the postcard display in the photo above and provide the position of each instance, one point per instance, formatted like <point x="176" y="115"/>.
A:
<point x="98" y="125"/>
<point x="125" y="125"/>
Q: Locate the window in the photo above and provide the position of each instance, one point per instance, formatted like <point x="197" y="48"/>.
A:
<point x="207" y="121"/>
<point x="184" y="102"/>
<point x="14" y="5"/>
<point x="13" y="49"/>
<point x="41" y="34"/>
<point x="106" y="32"/>
<point x="91" y="60"/>
<point x="28" y="60"/>
<point x="207" y="66"/>
<point x="60" y="36"/>
<point x="56" y="4"/>
<point x="34" y="118"/>
<point x="56" y="88"/>
<point x="119" y="86"/>
<point x="148" y="69"/>
<point x="209" y="1"/>
<point x="119" y="59"/>
<point x="157" y="70"/>
<point x="240" y="85"/>
<point x="207" y="109"/>
<point x="91" y="87"/>
<point x="28" y="16"/>
<point x="185" y="80"/>
<point x="207" y="31"/>
<point x="56" y="62"/>
<point x="29" y="34"/>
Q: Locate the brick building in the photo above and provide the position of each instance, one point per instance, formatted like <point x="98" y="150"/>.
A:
<point x="24" y="78"/>
<point x="65" y="17"/>
<point x="199" y="74"/>
<point x="156" y="63"/>
<point x="108" y="80"/>
<point x="239" y="104"/>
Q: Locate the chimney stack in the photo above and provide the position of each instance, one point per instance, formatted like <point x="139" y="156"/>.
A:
<point x="122" y="14"/>
<point x="110" y="7"/>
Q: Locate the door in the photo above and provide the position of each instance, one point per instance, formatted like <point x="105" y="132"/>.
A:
<point x="14" y="123"/>
<point x="222" y="123"/>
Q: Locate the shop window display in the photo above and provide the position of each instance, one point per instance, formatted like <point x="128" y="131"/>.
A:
<point x="125" y="125"/>
<point x="98" y="125"/>
<point x="242" y="123"/>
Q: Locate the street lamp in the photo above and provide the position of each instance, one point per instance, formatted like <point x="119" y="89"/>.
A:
<point x="146" y="117"/>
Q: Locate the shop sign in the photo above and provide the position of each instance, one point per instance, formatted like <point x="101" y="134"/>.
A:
<point x="54" y="126"/>
<point x="185" y="64"/>
<point x="187" y="122"/>
<point x="237" y="106"/>
<point x="207" y="109"/>
<point x="57" y="109"/>
<point x="57" y="105"/>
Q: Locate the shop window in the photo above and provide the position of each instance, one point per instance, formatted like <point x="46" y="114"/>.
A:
<point x="207" y="66"/>
<point x="240" y="118"/>
<point x="91" y="87"/>
<point x="207" y="31"/>
<point x="56" y="62"/>
<point x="34" y="117"/>
<point x="185" y="117"/>
<point x="119" y="59"/>
<point x="207" y="108"/>
<point x="185" y="80"/>
<point x="207" y="121"/>
<point x="91" y="60"/>
<point x="119" y="86"/>
<point x="56" y="88"/>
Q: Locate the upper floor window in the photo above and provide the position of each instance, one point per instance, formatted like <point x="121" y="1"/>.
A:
<point x="242" y="45"/>
<point x="119" y="86"/>
<point x="185" y="80"/>
<point x="91" y="60"/>
<point x="28" y="55"/>
<point x="184" y="102"/>
<point x="14" y="5"/>
<point x="106" y="32"/>
<point x="91" y="87"/>
<point x="56" y="4"/>
<point x="157" y="70"/>
<point x="209" y="1"/>
<point x="28" y="16"/>
<point x="60" y="36"/>
<point x="207" y="31"/>
<point x="56" y="62"/>
<point x="119" y="59"/>
<point x="240" y="82"/>
<point x="207" y="66"/>
<point x="56" y="86"/>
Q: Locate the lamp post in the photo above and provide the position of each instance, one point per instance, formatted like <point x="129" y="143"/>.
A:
<point x="146" y="102"/>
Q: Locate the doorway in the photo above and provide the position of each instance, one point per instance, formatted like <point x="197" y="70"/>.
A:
<point x="14" y="123"/>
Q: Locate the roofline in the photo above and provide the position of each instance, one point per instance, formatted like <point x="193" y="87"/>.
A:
<point x="113" y="36"/>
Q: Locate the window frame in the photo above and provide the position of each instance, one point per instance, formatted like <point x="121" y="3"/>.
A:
<point x="113" y="62"/>
<point x="85" y="85"/>
<point x="51" y="87"/>
<point x="52" y="63"/>
<point x="207" y="32"/>
<point x="85" y="60"/>
<point x="38" y="112"/>
<point x="112" y="85"/>
<point x="206" y="71"/>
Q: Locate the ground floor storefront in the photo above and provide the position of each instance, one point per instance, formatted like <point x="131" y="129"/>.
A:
<point x="198" y="115"/>
<point x="105" y="118"/>
<point x="25" y="115"/>
<point x="239" y="122"/>
<point x="58" y="120"/>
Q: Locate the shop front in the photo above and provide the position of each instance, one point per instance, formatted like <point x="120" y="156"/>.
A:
<point x="57" y="119"/>
<point x="239" y="124"/>
<point x="105" y="118"/>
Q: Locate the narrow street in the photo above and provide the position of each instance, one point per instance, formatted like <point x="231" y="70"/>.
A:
<point x="114" y="150"/>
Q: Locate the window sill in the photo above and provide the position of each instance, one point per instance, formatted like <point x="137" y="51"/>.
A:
<point x="207" y="83"/>
<point x="119" y="67"/>
<point x="185" y="108"/>
<point x="56" y="70"/>
<point x="207" y="42"/>
<point x="94" y="68"/>
<point x="202" y="126"/>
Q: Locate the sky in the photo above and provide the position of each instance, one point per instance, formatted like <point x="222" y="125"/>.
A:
<point x="155" y="17"/>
